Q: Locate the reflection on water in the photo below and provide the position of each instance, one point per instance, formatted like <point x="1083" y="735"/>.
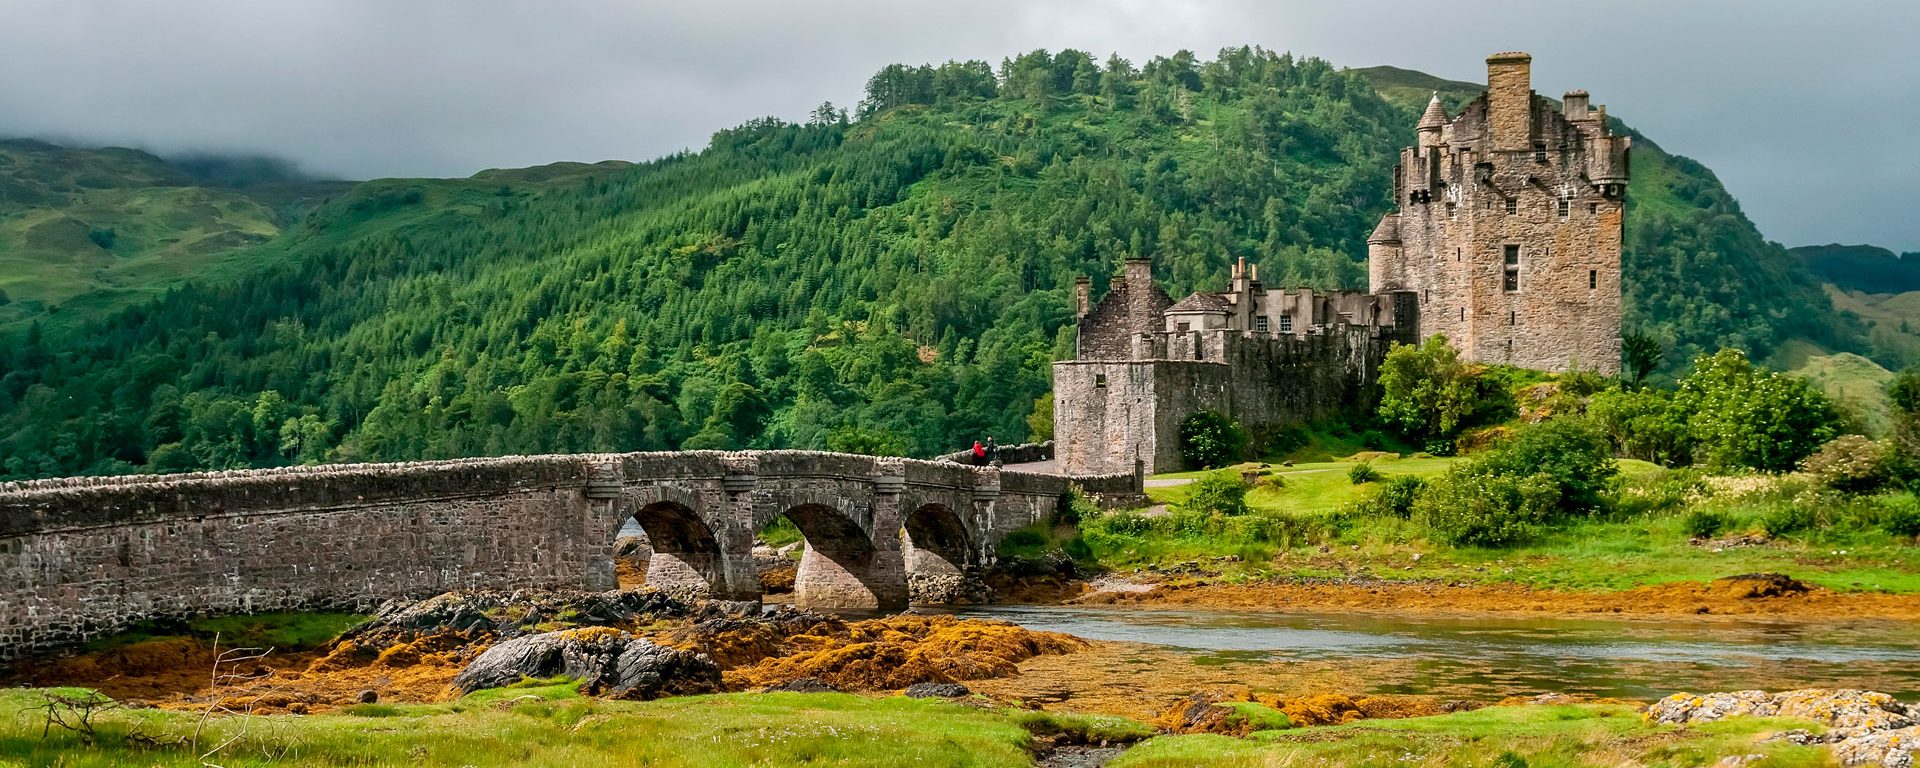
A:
<point x="1519" y="655"/>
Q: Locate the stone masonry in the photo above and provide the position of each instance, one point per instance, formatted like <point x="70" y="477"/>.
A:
<point x="85" y="557"/>
<point x="1506" y="240"/>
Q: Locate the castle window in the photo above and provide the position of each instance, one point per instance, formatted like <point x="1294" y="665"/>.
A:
<point x="1286" y="323"/>
<point x="1183" y="327"/>
<point x="1456" y="254"/>
<point x="1513" y="205"/>
<point x="1463" y="314"/>
<point x="1100" y="381"/>
<point x="1510" y="316"/>
<point x="1428" y="297"/>
<point x="1593" y="279"/>
<point x="1539" y="151"/>
<point x="1452" y="213"/>
<point x="1260" y="324"/>
<point x="1564" y="205"/>
<point x="1511" y="256"/>
<point x="1593" y="207"/>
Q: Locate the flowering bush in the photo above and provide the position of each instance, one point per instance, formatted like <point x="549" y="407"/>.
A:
<point x="1851" y="463"/>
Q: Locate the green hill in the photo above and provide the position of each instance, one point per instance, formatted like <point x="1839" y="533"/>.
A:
<point x="109" y="226"/>
<point x="894" y="282"/>
<point x="1862" y="268"/>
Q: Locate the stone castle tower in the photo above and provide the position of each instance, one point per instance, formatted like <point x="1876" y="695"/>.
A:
<point x="1509" y="226"/>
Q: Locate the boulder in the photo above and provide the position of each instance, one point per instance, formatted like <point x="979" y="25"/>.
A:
<point x="937" y="691"/>
<point x="1845" y="712"/>
<point x="607" y="661"/>
<point x="503" y="613"/>
<point x="1895" y="748"/>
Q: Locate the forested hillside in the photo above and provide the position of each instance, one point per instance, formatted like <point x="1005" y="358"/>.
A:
<point x="895" y="280"/>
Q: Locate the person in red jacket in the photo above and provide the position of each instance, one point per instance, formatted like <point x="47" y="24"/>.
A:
<point x="979" y="454"/>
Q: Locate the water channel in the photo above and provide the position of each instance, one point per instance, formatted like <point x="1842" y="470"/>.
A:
<point x="1514" y="656"/>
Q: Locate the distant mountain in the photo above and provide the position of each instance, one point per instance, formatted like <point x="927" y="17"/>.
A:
<point x="1862" y="268"/>
<point x="107" y="226"/>
<point x="896" y="280"/>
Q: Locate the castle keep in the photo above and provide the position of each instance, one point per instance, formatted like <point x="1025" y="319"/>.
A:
<point x="1506" y="240"/>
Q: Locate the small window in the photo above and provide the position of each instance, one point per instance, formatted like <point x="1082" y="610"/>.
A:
<point x="1452" y="211"/>
<point x="1513" y="205"/>
<point x="1463" y="314"/>
<point x="1286" y="323"/>
<point x="1593" y="208"/>
<point x="1565" y="205"/>
<point x="1100" y="381"/>
<point x="1510" y="316"/>
<point x="1539" y="151"/>
<point x="1428" y="297"/>
<point x="1260" y="324"/>
<point x="1546" y="251"/>
<point x="1593" y="279"/>
<point x="1456" y="254"/>
<point x="1511" y="255"/>
<point x="1183" y="327"/>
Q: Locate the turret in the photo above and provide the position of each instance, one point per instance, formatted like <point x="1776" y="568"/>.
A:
<point x="1431" y="122"/>
<point x="1510" y="101"/>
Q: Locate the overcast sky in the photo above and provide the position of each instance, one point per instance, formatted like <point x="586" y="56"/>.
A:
<point x="1804" y="108"/>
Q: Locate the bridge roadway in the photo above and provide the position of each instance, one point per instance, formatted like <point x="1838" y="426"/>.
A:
<point x="83" y="557"/>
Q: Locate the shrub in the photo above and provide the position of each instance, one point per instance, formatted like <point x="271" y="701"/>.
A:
<point x="1704" y="523"/>
<point x="1374" y="440"/>
<point x="1900" y="515"/>
<point x="1221" y="493"/>
<point x="1786" y="517"/>
<point x="1741" y="416"/>
<point x="1363" y="473"/>
<point x="1569" y="451"/>
<point x="1209" y="439"/>
<point x="1851" y="463"/>
<point x="1469" y="506"/>
<point x="1395" y="498"/>
<point x="1428" y="393"/>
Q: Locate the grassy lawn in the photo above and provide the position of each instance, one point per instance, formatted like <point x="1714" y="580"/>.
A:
<point x="1506" y="737"/>
<point x="1297" y="530"/>
<point x="551" y="725"/>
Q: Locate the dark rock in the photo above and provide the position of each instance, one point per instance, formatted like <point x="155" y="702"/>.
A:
<point x="937" y="691"/>
<point x="368" y="696"/>
<point x="509" y="613"/>
<point x="803" y="685"/>
<point x="608" y="662"/>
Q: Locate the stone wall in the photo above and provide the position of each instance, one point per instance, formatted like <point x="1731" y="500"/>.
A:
<point x="1024" y="453"/>
<point x="84" y="557"/>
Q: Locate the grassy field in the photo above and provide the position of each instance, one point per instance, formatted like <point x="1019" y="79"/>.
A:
<point x="1506" y="737"/>
<point x="547" y="723"/>
<point x="1301" y="530"/>
<point x="550" y="724"/>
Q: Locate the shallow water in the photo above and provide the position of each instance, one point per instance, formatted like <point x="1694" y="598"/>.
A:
<point x="1625" y="658"/>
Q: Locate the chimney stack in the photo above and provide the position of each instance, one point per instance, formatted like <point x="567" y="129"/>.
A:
<point x="1575" y="105"/>
<point x="1510" y="101"/>
<point x="1081" y="301"/>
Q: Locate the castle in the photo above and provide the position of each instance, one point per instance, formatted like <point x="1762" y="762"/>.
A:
<point x="1506" y="240"/>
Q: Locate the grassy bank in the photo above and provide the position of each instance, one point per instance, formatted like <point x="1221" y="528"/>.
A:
<point x="1508" y="737"/>
<point x="1302" y="522"/>
<point x="541" y="725"/>
<point x="550" y="724"/>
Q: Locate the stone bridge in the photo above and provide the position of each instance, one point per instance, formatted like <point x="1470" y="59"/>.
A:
<point x="83" y="557"/>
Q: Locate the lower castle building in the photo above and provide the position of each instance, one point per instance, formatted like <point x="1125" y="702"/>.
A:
<point x="1506" y="239"/>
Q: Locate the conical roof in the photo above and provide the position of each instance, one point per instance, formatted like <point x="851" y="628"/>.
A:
<point x="1388" y="231"/>
<point x="1436" y="115"/>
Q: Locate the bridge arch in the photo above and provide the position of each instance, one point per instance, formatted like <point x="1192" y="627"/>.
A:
<point x="843" y="566"/>
<point x="941" y="558"/>
<point x="687" y="554"/>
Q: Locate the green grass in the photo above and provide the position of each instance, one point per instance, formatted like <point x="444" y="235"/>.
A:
<point x="549" y="725"/>
<point x="1509" y="737"/>
<point x="1302" y="530"/>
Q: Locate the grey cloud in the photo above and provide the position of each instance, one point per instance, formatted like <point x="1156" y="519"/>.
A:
<point x="1801" y="107"/>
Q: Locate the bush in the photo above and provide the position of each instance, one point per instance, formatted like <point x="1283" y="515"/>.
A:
<point x="1430" y="394"/>
<point x="1702" y="523"/>
<point x="1900" y="515"/>
<point x="1220" y="493"/>
<point x="1395" y="498"/>
<point x="1787" y="517"/>
<point x="1569" y="451"/>
<point x="1741" y="416"/>
<point x="1469" y="506"/>
<point x="1852" y="464"/>
<point x="1209" y="439"/>
<point x="1363" y="473"/>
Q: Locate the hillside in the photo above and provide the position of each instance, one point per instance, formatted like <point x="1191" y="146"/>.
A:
<point x="1862" y="268"/>
<point x="894" y="282"/>
<point x="113" y="225"/>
